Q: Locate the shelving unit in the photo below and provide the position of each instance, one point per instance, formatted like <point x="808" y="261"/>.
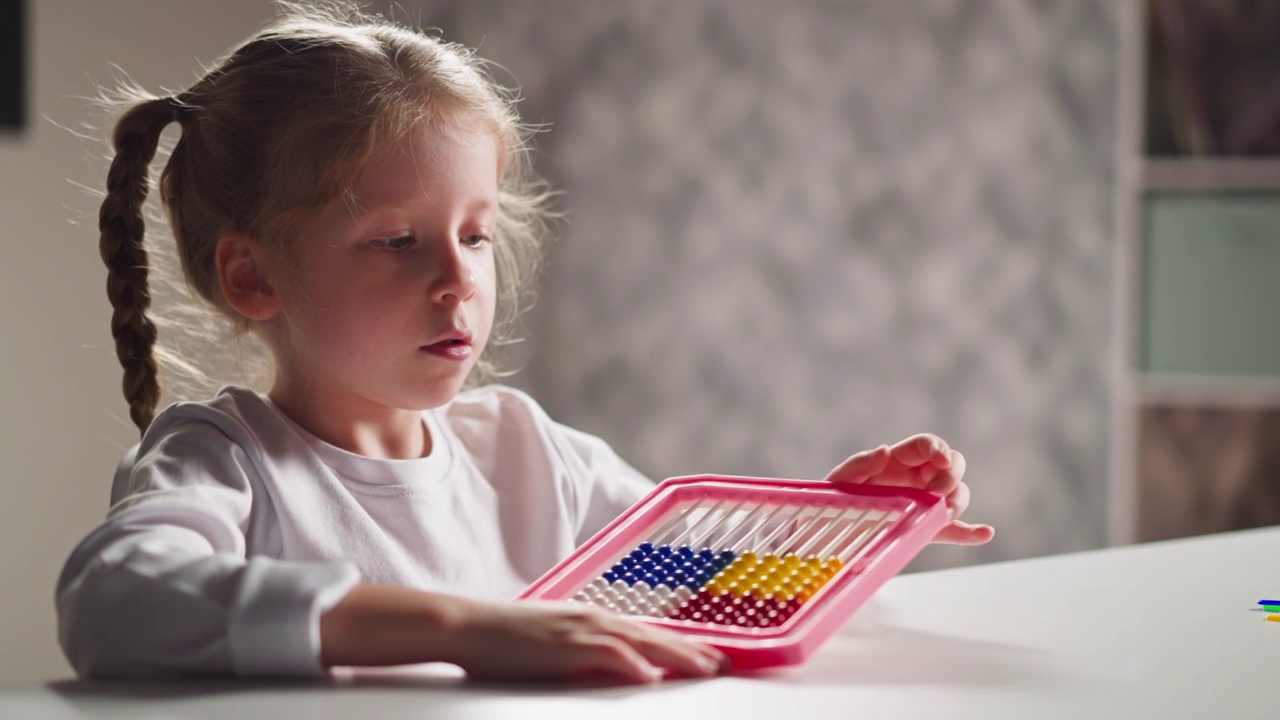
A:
<point x="1197" y="328"/>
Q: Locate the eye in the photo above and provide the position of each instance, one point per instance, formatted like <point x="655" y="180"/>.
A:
<point x="475" y="242"/>
<point x="394" y="244"/>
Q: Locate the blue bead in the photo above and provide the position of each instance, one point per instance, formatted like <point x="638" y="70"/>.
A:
<point x="665" y="551"/>
<point x="650" y="578"/>
<point x="685" y="552"/>
<point x="610" y="577"/>
<point x="629" y="578"/>
<point x="646" y="548"/>
<point x="707" y="554"/>
<point x="670" y="581"/>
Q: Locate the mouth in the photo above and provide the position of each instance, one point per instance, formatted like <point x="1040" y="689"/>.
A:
<point x="454" y="345"/>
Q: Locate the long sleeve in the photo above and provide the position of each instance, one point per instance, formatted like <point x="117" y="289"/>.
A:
<point x="164" y="586"/>
<point x="606" y="484"/>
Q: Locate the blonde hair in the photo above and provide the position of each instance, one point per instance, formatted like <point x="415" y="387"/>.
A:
<point x="281" y="127"/>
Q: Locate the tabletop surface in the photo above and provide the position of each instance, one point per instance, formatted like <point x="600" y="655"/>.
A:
<point x="1161" y="630"/>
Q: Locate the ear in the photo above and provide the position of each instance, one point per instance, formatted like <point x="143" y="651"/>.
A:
<point x="240" y="273"/>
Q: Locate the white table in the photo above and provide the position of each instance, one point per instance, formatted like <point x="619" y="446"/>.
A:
<point x="1164" y="630"/>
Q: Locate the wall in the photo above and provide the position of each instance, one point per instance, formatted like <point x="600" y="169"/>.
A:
<point x="799" y="231"/>
<point x="796" y="231"/>
<point x="63" y="421"/>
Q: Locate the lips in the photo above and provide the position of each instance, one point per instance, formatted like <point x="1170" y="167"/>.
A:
<point x="454" y="336"/>
<point x="454" y="344"/>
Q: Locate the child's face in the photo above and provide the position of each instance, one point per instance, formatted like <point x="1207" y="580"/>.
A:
<point x="393" y="300"/>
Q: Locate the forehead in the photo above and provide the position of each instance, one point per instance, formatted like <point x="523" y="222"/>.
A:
<point x="435" y="160"/>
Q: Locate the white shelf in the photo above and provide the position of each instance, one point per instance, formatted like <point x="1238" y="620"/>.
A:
<point x="1210" y="174"/>
<point x="1209" y="391"/>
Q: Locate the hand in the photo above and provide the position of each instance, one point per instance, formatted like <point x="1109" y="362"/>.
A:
<point x="539" y="640"/>
<point x="921" y="461"/>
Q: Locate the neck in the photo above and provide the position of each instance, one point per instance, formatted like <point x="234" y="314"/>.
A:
<point x="355" y="424"/>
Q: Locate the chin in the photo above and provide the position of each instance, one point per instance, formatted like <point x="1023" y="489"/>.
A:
<point x="437" y="394"/>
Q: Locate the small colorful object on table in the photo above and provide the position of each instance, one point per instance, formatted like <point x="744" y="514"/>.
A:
<point x="764" y="569"/>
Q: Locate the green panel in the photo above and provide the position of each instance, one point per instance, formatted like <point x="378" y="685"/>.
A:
<point x="1211" y="291"/>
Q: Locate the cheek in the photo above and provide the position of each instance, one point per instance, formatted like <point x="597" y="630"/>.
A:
<point x="487" y="288"/>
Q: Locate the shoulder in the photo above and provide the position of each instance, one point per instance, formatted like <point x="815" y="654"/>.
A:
<point x="235" y="414"/>
<point x="194" y="441"/>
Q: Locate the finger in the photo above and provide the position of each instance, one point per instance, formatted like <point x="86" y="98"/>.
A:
<point x="946" y="481"/>
<point x="672" y="651"/>
<point x="922" y="449"/>
<point x="899" y="475"/>
<point x="860" y="467"/>
<point x="961" y="533"/>
<point x="958" y="501"/>
<point x="614" y="656"/>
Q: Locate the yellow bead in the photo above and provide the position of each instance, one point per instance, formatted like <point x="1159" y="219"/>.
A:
<point x="748" y="558"/>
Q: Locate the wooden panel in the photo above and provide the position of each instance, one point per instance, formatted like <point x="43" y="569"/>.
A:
<point x="1204" y="470"/>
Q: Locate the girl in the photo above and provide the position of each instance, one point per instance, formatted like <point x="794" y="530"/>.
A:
<point x="357" y="194"/>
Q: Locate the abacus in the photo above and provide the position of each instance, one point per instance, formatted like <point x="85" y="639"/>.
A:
<point x="764" y="569"/>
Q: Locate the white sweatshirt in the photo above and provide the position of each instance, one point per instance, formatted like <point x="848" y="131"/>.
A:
<point x="232" y="529"/>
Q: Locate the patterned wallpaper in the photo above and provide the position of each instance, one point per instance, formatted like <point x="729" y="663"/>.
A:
<point x="799" y="230"/>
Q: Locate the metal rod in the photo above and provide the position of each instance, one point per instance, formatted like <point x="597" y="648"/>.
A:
<point x="799" y="510"/>
<point x="764" y="521"/>
<point x="800" y="533"/>
<point x="885" y="525"/>
<point x="844" y="535"/>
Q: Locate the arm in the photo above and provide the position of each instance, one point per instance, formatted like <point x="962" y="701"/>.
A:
<point x="383" y="625"/>
<point x="164" y="586"/>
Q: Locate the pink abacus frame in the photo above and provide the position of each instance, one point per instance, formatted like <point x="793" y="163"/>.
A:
<point x="921" y="515"/>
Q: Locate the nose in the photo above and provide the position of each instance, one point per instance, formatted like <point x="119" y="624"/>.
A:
<point x="454" y="280"/>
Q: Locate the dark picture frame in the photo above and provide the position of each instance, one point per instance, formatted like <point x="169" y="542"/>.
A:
<point x="13" y="61"/>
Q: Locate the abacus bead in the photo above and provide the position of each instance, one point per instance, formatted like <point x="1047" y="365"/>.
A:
<point x="629" y="578"/>
<point x="610" y="576"/>
<point x="664" y="550"/>
<point x="685" y="552"/>
<point x="643" y="585"/>
<point x="646" y="547"/>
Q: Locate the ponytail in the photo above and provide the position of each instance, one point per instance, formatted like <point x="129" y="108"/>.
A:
<point x="121" y="225"/>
